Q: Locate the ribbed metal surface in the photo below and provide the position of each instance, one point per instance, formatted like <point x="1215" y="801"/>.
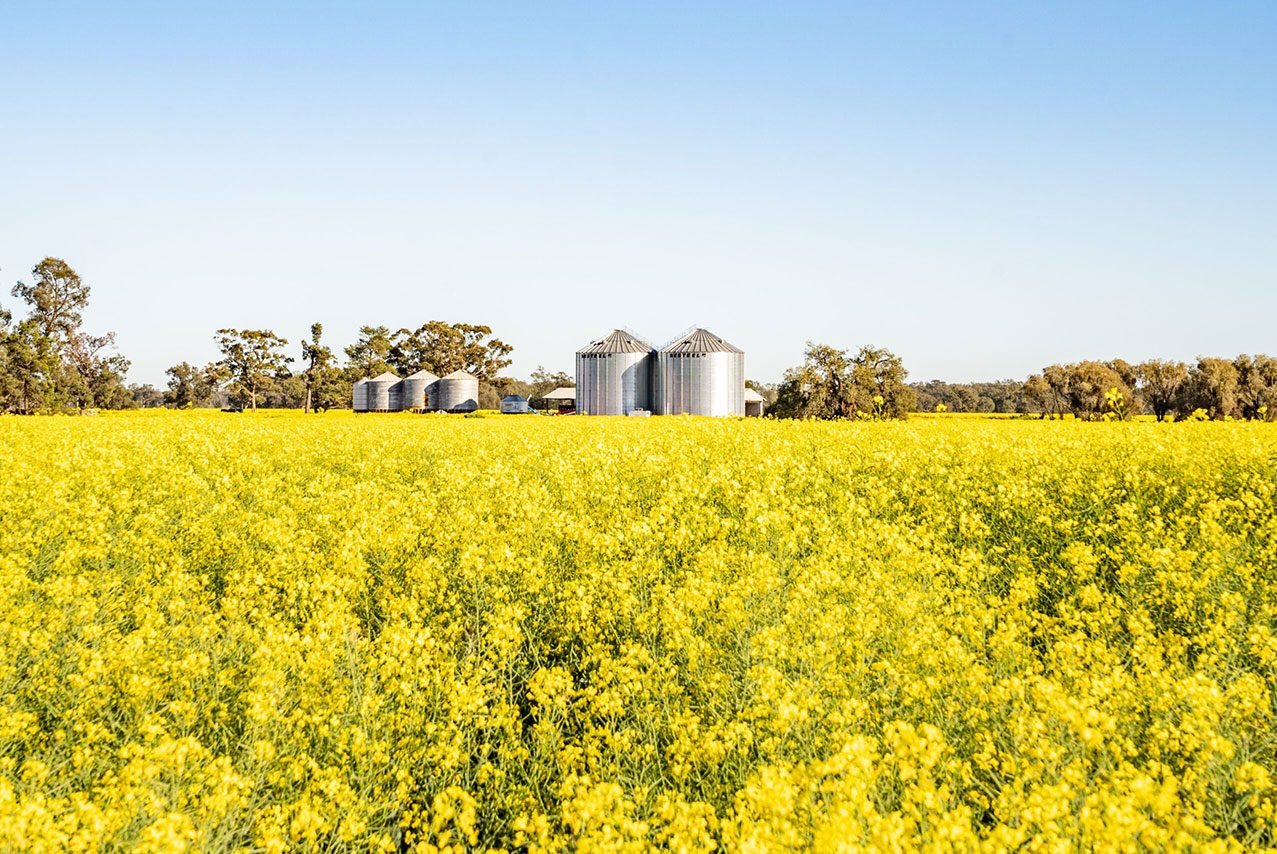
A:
<point x="700" y="341"/>
<point x="458" y="392"/>
<point x="614" y="375"/>
<point x="700" y="374"/>
<point x="359" y="398"/>
<point x="383" y="393"/>
<point x="419" y="390"/>
<point x="513" y="404"/>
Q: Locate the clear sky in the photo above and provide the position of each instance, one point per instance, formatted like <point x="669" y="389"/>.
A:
<point x="984" y="188"/>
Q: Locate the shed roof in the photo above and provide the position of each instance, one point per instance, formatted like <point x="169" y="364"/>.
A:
<point x="562" y="393"/>
<point x="618" y="341"/>
<point x="701" y="341"/>
<point x="753" y="396"/>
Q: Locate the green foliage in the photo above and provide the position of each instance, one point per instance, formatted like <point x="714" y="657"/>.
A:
<point x="252" y="358"/>
<point x="442" y="348"/>
<point x="321" y="377"/>
<point x="830" y="385"/>
<point x="1160" y="383"/>
<point x="47" y="363"/>
<point x="1001" y="396"/>
<point x="188" y="386"/>
<point x="368" y="354"/>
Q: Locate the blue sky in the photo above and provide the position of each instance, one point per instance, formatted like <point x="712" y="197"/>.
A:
<point x="984" y="188"/>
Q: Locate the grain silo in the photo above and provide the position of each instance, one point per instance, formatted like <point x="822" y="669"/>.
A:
<point x="359" y="403"/>
<point x="458" y="392"/>
<point x="614" y="375"/>
<point x="419" y="391"/>
<point x="514" y="404"/>
<point x="700" y="374"/>
<point x="383" y="393"/>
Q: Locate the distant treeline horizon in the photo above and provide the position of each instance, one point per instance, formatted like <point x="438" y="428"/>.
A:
<point x="49" y="363"/>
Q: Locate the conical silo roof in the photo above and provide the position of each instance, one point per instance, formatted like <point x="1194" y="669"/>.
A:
<point x="460" y="375"/>
<point x="422" y="374"/>
<point x="387" y="377"/>
<point x="701" y="341"/>
<point x="619" y="341"/>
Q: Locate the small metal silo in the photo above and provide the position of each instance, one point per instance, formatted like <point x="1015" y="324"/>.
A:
<point x="700" y="374"/>
<point x="359" y="401"/>
<point x="383" y="393"/>
<point x="419" y="390"/>
<point x="514" y="404"/>
<point x="614" y="375"/>
<point x="458" y="392"/>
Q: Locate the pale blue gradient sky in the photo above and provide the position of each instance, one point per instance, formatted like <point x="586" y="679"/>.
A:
<point x="984" y="188"/>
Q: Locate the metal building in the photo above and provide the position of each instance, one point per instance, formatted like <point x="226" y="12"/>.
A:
<point x="419" y="391"/>
<point x="562" y="399"/>
<point x="614" y="375"/>
<point x="458" y="392"/>
<point x="515" y="404"/>
<point x="383" y="393"/>
<point x="700" y="374"/>
<point x="755" y="403"/>
<point x="359" y="403"/>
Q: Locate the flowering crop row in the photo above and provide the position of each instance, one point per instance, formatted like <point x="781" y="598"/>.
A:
<point x="338" y="632"/>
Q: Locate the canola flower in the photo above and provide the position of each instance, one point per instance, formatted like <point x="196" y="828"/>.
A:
<point x="278" y="633"/>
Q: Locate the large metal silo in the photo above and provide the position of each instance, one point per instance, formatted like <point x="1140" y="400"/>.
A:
<point x="419" y="390"/>
<point x="700" y="374"/>
<point x="614" y="375"/>
<point x="383" y="393"/>
<point x="458" y="392"/>
<point x="359" y="398"/>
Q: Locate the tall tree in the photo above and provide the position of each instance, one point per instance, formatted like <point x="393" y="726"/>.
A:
<point x="58" y="362"/>
<point x="446" y="347"/>
<point x="320" y="374"/>
<point x="832" y="385"/>
<point x="35" y="369"/>
<point x="818" y="388"/>
<point x="878" y="379"/>
<point x="1092" y="388"/>
<point x="368" y="355"/>
<point x="1256" y="387"/>
<point x="57" y="298"/>
<point x="188" y="386"/>
<point x="1211" y="386"/>
<point x="251" y="357"/>
<point x="1160" y="383"/>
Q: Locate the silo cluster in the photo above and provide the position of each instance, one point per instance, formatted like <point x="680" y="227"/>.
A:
<point x="418" y="392"/>
<point x="697" y="374"/>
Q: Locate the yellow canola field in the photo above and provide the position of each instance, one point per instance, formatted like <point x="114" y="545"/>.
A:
<point x="339" y="632"/>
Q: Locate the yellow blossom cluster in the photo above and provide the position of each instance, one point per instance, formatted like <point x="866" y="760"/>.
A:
<point x="274" y="632"/>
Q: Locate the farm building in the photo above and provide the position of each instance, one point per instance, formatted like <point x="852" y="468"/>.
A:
<point x="562" y="399"/>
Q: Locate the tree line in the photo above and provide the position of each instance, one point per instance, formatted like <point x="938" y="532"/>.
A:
<point x="49" y="363"/>
<point x="254" y="369"/>
<point x="255" y="366"/>
<point x="1210" y="388"/>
